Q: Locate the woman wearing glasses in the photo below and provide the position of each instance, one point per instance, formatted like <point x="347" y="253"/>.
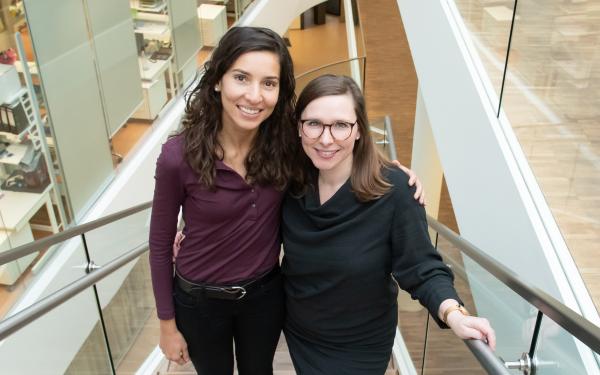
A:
<point x="227" y="170"/>
<point x="350" y="228"/>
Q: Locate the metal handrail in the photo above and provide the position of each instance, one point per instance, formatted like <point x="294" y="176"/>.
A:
<point x="44" y="243"/>
<point x="390" y="135"/>
<point x="575" y="324"/>
<point x="15" y="322"/>
<point x="328" y="65"/>
<point x="486" y="357"/>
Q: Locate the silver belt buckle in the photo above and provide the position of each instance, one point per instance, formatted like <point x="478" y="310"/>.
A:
<point x="234" y="290"/>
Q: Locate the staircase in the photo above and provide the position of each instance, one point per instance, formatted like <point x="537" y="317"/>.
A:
<point x="282" y="364"/>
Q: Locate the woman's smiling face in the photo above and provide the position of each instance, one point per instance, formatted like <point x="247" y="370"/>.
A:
<point x="249" y="90"/>
<point x="327" y="153"/>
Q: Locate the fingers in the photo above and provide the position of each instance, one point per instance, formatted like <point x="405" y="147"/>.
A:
<point x="412" y="177"/>
<point x="480" y="329"/>
<point x="173" y="345"/>
<point x="486" y="330"/>
<point x="419" y="193"/>
<point x="181" y="358"/>
<point x="397" y="164"/>
<point x="179" y="237"/>
<point x="186" y="355"/>
<point x="413" y="180"/>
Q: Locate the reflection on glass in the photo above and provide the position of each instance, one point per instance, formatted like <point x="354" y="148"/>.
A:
<point x="92" y="358"/>
<point x="445" y="352"/>
<point x="551" y="99"/>
<point x="512" y="317"/>
<point x="130" y="319"/>
<point x="558" y="352"/>
<point x="52" y="344"/>
<point x="28" y="269"/>
<point x="359" y="31"/>
<point x="126" y="295"/>
<point x="412" y="321"/>
<point x="489" y="25"/>
<point x="318" y="45"/>
<point x="342" y="68"/>
<point x="118" y="237"/>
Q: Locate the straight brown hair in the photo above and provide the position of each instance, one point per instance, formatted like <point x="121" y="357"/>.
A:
<point x="367" y="180"/>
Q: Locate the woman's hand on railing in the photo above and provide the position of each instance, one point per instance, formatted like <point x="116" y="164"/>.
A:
<point x="172" y="343"/>
<point x="413" y="179"/>
<point x="472" y="327"/>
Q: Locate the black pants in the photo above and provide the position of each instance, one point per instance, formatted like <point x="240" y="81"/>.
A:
<point x="211" y="327"/>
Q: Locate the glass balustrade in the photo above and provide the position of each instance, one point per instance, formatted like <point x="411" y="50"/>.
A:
<point x="489" y="25"/>
<point x="551" y="99"/>
<point x="354" y="68"/>
<point x="126" y="295"/>
<point x="111" y="317"/>
<point x="40" y="347"/>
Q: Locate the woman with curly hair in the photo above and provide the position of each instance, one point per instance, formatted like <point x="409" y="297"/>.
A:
<point x="227" y="169"/>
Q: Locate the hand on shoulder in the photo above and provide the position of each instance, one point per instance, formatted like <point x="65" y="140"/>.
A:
<point x="413" y="180"/>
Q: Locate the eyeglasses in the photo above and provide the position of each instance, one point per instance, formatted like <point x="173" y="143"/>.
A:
<point x="339" y="130"/>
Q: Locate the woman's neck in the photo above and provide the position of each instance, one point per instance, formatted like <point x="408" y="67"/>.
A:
<point x="236" y="144"/>
<point x="331" y="180"/>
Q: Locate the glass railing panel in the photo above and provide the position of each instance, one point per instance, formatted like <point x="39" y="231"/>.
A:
<point x="317" y="39"/>
<point x="512" y="317"/>
<point x="126" y="295"/>
<point x="551" y="100"/>
<point x="359" y="30"/>
<point x="443" y="352"/>
<point x="558" y="352"/>
<point x="35" y="276"/>
<point x="412" y="322"/>
<point x="92" y="357"/>
<point x="52" y="344"/>
<point x="352" y="68"/>
<point x="489" y="24"/>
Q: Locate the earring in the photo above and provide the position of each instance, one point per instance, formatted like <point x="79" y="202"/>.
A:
<point x="217" y="88"/>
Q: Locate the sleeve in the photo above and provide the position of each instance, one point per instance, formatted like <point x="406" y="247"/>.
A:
<point x="168" y="197"/>
<point x="416" y="265"/>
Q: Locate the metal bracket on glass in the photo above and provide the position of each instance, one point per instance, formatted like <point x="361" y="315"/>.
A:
<point x="89" y="267"/>
<point x="528" y="365"/>
<point x="524" y="364"/>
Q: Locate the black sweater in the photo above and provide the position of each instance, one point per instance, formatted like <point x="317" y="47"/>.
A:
<point x="340" y="258"/>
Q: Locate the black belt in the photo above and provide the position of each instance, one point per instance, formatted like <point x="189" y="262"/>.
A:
<point x="230" y="292"/>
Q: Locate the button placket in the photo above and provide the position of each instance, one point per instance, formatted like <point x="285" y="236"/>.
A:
<point x="253" y="200"/>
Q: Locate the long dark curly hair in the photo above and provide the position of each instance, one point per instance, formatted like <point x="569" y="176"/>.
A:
<point x="269" y="161"/>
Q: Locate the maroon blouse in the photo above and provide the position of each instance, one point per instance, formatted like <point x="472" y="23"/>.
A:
<point x="232" y="233"/>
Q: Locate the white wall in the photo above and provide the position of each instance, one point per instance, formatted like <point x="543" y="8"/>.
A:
<point x="425" y="160"/>
<point x="492" y="201"/>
